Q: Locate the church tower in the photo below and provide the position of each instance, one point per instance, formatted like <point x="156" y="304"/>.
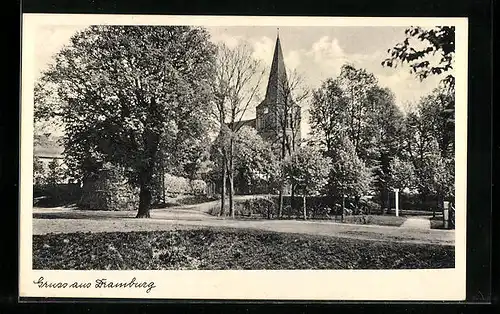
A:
<point x="278" y="114"/>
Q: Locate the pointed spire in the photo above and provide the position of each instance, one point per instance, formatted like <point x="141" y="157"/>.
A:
<point x="277" y="75"/>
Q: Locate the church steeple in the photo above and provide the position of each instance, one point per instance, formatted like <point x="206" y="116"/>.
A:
<point x="277" y="76"/>
<point x="268" y="113"/>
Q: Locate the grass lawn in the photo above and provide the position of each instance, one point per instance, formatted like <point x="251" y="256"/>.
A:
<point x="222" y="248"/>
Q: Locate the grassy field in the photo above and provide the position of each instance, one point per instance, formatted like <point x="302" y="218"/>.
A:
<point x="222" y="248"/>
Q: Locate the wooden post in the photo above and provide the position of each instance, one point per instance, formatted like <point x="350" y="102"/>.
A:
<point x="304" y="205"/>
<point x="343" y="208"/>
<point x="397" y="202"/>
<point x="446" y="215"/>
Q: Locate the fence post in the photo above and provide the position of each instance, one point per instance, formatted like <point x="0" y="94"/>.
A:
<point x="446" y="215"/>
<point x="397" y="202"/>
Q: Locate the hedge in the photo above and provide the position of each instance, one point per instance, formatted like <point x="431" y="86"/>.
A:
<point x="317" y="207"/>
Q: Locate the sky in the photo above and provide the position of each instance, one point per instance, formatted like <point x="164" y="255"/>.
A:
<point x="317" y="53"/>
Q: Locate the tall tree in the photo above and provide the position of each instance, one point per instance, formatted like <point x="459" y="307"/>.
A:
<point x="292" y="92"/>
<point x="434" y="55"/>
<point x="308" y="170"/>
<point x="349" y="177"/>
<point x="403" y="174"/>
<point x="328" y="113"/>
<point x="121" y="89"/>
<point x="255" y="161"/>
<point x="357" y="84"/>
<point x="238" y="78"/>
<point x="383" y="139"/>
<point x="429" y="143"/>
<point x="353" y="105"/>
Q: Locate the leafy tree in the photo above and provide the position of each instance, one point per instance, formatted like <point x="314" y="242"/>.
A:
<point x="439" y="40"/>
<point x="349" y="175"/>
<point x="237" y="79"/>
<point x="357" y="84"/>
<point x="355" y="106"/>
<point x="55" y="173"/>
<point x="121" y="90"/>
<point x="402" y="174"/>
<point x="328" y="113"/>
<point x="255" y="161"/>
<point x="429" y="144"/>
<point x="308" y="170"/>
<point x="39" y="174"/>
<point x="291" y="92"/>
<point x="383" y="139"/>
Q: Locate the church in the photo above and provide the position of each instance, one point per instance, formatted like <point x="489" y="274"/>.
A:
<point x="278" y="115"/>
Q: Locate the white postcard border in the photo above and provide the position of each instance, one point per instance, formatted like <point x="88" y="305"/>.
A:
<point x="442" y="284"/>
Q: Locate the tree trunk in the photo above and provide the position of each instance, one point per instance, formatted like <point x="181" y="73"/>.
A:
<point x="356" y="202"/>
<point x="164" y="193"/>
<point x="223" y="188"/>
<point x="231" y="194"/>
<point x="440" y="201"/>
<point x="388" y="201"/>
<point x="146" y="173"/>
<point x="144" y="201"/>
<point x="231" y="177"/>
<point x="145" y="195"/>
<point x="304" y="206"/>
<point x="343" y="208"/>
<point x="280" y="207"/>
<point x="292" y="201"/>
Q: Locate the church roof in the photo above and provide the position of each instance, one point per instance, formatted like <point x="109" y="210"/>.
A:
<point x="277" y="76"/>
<point x="242" y="123"/>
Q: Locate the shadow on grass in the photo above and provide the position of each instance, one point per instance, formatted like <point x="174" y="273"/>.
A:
<point x="72" y="215"/>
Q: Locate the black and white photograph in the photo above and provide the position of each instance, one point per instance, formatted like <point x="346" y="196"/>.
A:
<point x="163" y="147"/>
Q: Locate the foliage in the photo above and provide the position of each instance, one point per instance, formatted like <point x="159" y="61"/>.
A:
<point x="354" y="106"/>
<point x="307" y="169"/>
<point x="429" y="143"/>
<point x="237" y="79"/>
<point x="216" y="248"/>
<point x="39" y="173"/>
<point x="255" y="162"/>
<point x="349" y="175"/>
<point x="260" y="207"/>
<point x="122" y="90"/>
<point x="108" y="189"/>
<point x="403" y="174"/>
<point x="329" y="108"/>
<point x="378" y="220"/>
<point x="420" y="57"/>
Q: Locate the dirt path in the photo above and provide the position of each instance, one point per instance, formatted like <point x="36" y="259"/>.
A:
<point x="60" y="220"/>
<point x="422" y="223"/>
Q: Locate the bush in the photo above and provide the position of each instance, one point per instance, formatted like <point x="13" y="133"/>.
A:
<point x="50" y="195"/>
<point x="375" y="220"/>
<point x="368" y="206"/>
<point x="198" y="187"/>
<point x="318" y="207"/>
<point x="109" y="190"/>
<point x="262" y="207"/>
<point x="177" y="185"/>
